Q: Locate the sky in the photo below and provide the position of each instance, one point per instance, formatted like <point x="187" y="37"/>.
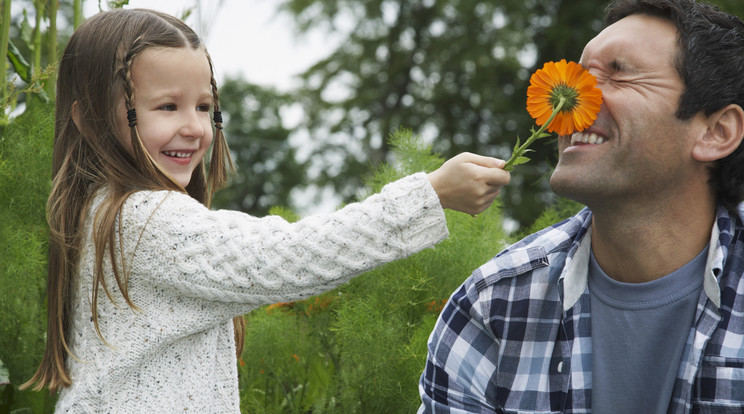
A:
<point x="245" y="37"/>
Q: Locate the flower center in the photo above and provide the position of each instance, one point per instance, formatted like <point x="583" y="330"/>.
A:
<point x="571" y="95"/>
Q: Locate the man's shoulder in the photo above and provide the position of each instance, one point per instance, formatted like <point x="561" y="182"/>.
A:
<point x="547" y="248"/>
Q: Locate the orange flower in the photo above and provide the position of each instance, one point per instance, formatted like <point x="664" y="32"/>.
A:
<point x="562" y="97"/>
<point x="570" y="81"/>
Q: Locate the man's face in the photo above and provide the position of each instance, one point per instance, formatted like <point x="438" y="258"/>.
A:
<point x="644" y="150"/>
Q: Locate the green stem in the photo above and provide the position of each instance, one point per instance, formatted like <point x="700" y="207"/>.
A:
<point x="77" y="13"/>
<point x="519" y="151"/>
<point x="36" y="37"/>
<point x="4" y="39"/>
<point x="52" y="46"/>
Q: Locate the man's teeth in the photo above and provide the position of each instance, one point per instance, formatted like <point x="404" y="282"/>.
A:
<point x="586" y="138"/>
<point x="177" y="154"/>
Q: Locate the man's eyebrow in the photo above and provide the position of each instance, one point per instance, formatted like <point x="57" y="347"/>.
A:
<point x="621" y="65"/>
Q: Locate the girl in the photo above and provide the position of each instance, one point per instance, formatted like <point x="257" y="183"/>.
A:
<point x="146" y="284"/>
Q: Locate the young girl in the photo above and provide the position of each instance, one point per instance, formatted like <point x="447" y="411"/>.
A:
<point x="146" y="284"/>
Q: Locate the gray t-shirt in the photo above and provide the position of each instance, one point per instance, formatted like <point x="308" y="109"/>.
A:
<point x="639" y="331"/>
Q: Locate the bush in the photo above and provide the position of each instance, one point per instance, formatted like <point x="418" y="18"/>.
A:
<point x="25" y="183"/>
<point x="358" y="349"/>
<point x="361" y="348"/>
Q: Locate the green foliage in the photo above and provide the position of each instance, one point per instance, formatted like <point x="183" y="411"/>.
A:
<point x="456" y="71"/>
<point x="411" y="155"/>
<point x="560" y="210"/>
<point x="735" y="7"/>
<point x="361" y="347"/>
<point x="259" y="144"/>
<point x="25" y="180"/>
<point x="286" y="367"/>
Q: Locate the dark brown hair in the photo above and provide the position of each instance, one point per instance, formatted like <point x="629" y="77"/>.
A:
<point x="710" y="60"/>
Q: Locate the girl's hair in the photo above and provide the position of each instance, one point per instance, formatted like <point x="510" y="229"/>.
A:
<point x="94" y="75"/>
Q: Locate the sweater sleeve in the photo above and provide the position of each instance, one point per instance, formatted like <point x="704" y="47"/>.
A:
<point x="177" y="244"/>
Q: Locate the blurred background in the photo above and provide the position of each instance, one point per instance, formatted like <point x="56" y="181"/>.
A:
<point x="311" y="91"/>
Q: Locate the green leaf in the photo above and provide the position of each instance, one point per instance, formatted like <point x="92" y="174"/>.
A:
<point x="186" y="13"/>
<point x="26" y="30"/>
<point x="20" y="65"/>
<point x="516" y="146"/>
<point x="118" y="4"/>
<point x="521" y="160"/>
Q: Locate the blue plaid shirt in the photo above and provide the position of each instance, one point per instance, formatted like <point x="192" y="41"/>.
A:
<point x="516" y="336"/>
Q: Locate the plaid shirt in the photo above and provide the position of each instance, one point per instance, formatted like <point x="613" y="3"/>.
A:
<point x="516" y="336"/>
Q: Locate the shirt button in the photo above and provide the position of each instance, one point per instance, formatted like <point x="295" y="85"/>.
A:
<point x="559" y="367"/>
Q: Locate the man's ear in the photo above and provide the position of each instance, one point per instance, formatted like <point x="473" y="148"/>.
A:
<point x="723" y="136"/>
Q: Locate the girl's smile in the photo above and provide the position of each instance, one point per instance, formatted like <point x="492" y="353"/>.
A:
<point x="172" y="97"/>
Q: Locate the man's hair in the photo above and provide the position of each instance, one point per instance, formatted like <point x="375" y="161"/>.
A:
<point x="710" y="61"/>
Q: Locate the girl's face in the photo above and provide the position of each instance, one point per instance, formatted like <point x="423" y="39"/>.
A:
<point x="172" y="97"/>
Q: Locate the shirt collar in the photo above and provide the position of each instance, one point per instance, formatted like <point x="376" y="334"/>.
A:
<point x="575" y="273"/>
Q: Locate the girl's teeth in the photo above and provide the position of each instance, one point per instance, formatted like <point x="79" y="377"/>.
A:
<point x="177" y="154"/>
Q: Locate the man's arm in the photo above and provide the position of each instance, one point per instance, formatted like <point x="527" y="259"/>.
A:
<point x="461" y="361"/>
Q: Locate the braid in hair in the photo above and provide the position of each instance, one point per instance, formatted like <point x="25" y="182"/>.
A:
<point x="221" y="163"/>
<point x="148" y="168"/>
<point x="140" y="154"/>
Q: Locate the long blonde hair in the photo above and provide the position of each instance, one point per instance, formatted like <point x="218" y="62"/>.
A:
<point x="94" y="75"/>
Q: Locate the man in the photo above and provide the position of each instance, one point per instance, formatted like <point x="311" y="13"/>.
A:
<point x="636" y="304"/>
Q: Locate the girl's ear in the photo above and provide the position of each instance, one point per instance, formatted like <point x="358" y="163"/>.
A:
<point x="75" y="113"/>
<point x="723" y="136"/>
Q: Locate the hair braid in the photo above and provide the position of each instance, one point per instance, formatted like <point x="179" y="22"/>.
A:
<point x="139" y="152"/>
<point x="221" y="164"/>
<point x="126" y="74"/>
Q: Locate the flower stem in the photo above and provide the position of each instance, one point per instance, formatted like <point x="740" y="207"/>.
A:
<point x="519" y="151"/>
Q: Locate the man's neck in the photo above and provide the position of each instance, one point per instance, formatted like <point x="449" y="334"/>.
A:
<point x="647" y="244"/>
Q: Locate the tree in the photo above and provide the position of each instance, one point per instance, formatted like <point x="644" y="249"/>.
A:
<point x="258" y="138"/>
<point x="454" y="71"/>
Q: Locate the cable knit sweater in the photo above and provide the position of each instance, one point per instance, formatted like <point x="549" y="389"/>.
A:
<point x="193" y="269"/>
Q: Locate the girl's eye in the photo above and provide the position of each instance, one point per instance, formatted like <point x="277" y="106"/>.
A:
<point x="168" y="107"/>
<point x="203" y="108"/>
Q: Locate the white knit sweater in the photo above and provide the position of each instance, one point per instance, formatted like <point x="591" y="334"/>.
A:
<point x="193" y="270"/>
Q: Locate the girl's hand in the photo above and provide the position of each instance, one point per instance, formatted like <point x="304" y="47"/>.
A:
<point x="469" y="182"/>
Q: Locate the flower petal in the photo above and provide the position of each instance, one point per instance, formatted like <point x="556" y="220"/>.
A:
<point x="542" y="86"/>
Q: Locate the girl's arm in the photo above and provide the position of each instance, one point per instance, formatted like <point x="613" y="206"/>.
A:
<point x="225" y="263"/>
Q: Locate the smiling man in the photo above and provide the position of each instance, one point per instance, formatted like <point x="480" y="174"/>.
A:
<point x="636" y="304"/>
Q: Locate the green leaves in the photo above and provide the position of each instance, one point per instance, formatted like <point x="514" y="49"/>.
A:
<point x="20" y="65"/>
<point x="25" y="72"/>
<point x="25" y="183"/>
<point x="361" y="348"/>
<point x="518" y="157"/>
